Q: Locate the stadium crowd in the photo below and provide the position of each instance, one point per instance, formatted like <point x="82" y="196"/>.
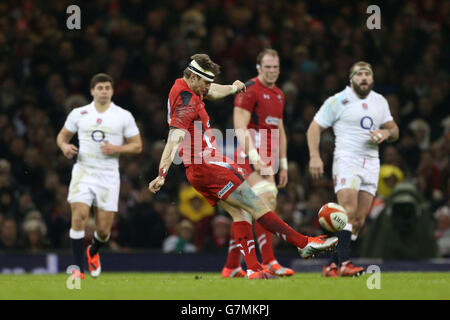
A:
<point x="145" y="45"/>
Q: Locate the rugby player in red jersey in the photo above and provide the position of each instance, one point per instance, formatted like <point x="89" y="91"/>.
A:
<point x="258" y="123"/>
<point x="216" y="177"/>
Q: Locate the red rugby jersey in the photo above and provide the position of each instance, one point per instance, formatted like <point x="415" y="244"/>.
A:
<point x="266" y="106"/>
<point x="186" y="110"/>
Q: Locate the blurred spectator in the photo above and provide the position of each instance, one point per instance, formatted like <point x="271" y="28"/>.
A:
<point x="9" y="235"/>
<point x="193" y="206"/>
<point x="306" y="217"/>
<point x="442" y="216"/>
<point x="429" y="177"/>
<point x="390" y="176"/>
<point x="181" y="242"/>
<point x="35" y="232"/>
<point x="218" y="241"/>
<point x="421" y="131"/>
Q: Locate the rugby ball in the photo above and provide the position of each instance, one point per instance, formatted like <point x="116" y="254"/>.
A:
<point x="332" y="217"/>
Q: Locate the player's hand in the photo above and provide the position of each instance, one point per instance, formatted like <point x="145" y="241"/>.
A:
<point x="263" y="168"/>
<point x="378" y="136"/>
<point x="69" y="150"/>
<point x="156" y="184"/>
<point x="282" y="178"/>
<point x="108" y="148"/>
<point x="240" y="86"/>
<point x="316" y="167"/>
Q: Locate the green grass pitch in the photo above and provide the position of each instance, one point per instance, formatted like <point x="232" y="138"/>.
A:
<point x="210" y="286"/>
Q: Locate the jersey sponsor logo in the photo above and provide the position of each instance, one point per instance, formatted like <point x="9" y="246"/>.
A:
<point x="225" y="189"/>
<point x="98" y="135"/>
<point x="272" y="120"/>
<point x="367" y="123"/>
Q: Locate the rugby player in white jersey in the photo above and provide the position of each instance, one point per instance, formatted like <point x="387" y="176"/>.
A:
<point x="361" y="120"/>
<point x="105" y="131"/>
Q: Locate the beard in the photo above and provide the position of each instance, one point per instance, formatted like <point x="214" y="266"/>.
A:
<point x="360" y="91"/>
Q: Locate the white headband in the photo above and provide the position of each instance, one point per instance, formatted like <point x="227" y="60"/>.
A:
<point x="205" y="74"/>
<point x="357" y="70"/>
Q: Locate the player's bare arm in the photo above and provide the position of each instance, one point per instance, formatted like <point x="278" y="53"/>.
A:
<point x="241" y="119"/>
<point x="283" y="175"/>
<point x="132" y="145"/>
<point x="174" y="140"/>
<point x="63" y="142"/>
<point x="315" y="162"/>
<point x="389" y="132"/>
<point x="219" y="91"/>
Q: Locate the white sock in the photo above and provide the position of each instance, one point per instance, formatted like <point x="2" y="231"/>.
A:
<point x="74" y="234"/>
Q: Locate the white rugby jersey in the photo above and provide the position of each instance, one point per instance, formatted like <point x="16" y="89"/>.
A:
<point x="94" y="128"/>
<point x="352" y="119"/>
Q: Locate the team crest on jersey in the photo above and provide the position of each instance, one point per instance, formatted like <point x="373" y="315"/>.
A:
<point x="83" y="112"/>
<point x="345" y="101"/>
<point x="365" y="106"/>
<point x="266" y="96"/>
<point x="99" y="121"/>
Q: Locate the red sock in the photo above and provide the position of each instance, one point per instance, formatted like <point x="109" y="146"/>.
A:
<point x="244" y="241"/>
<point x="271" y="222"/>
<point x="234" y="254"/>
<point x="264" y="239"/>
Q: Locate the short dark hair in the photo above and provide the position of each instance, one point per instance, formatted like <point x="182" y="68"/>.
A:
<point x="268" y="51"/>
<point x="205" y="62"/>
<point x="101" y="77"/>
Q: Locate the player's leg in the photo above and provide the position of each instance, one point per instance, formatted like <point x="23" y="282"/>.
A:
<point x="232" y="268"/>
<point x="103" y="224"/>
<point x="263" y="188"/>
<point x="348" y="198"/>
<point x="105" y="207"/>
<point x="80" y="215"/>
<point x="266" y="188"/>
<point x="243" y="197"/>
<point x="365" y="200"/>
<point x="244" y="241"/>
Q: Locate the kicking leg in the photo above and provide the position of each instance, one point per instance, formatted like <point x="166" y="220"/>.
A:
<point x="244" y="197"/>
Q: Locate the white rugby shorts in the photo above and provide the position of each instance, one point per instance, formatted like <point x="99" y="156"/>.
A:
<point x="94" y="187"/>
<point x="356" y="172"/>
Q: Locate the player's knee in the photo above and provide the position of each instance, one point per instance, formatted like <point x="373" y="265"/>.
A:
<point x="351" y="213"/>
<point x="358" y="224"/>
<point x="78" y="222"/>
<point x="103" y="234"/>
<point x="268" y="192"/>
